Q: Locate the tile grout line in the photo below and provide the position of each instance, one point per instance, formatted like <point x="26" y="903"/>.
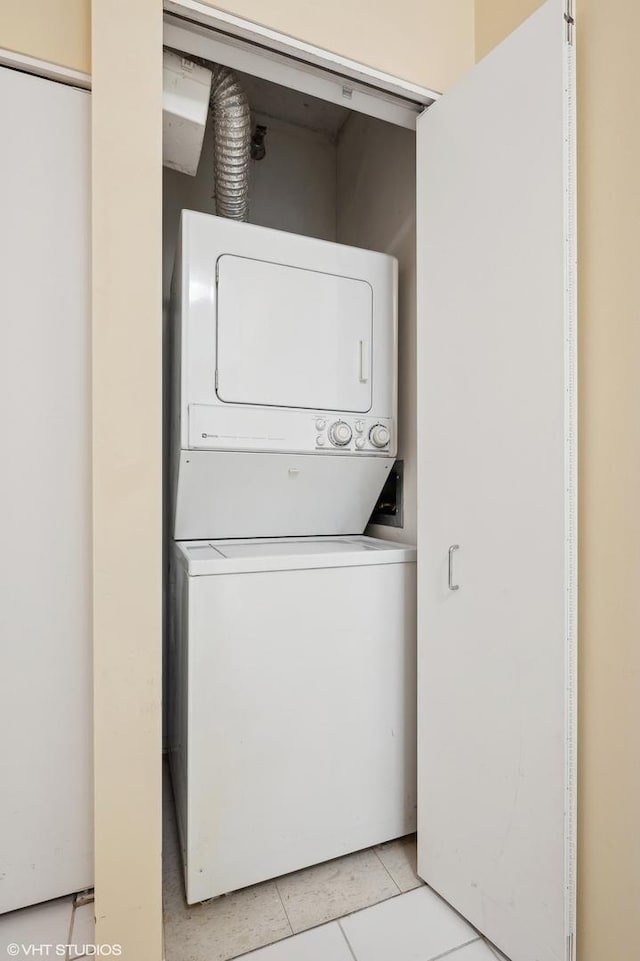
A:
<point x="286" y="913"/>
<point x="437" y="957"/>
<point x="346" y="937"/>
<point x="70" y="928"/>
<point x="79" y="957"/>
<point x="355" y="910"/>
<point x="393" y="880"/>
<point x="452" y="951"/>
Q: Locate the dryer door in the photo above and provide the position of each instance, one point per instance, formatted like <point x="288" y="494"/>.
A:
<point x="290" y="337"/>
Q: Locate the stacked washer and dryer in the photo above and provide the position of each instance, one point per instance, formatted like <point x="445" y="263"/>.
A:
<point x="292" y="635"/>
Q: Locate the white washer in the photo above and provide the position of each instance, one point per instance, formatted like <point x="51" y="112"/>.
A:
<point x="284" y="383"/>
<point x="292" y="721"/>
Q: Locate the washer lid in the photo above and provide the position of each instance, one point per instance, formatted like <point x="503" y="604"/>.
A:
<point x="292" y="337"/>
<point x="288" y="553"/>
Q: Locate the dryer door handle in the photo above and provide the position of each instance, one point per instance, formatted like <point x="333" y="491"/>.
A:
<point x="364" y="361"/>
<point x="452" y="550"/>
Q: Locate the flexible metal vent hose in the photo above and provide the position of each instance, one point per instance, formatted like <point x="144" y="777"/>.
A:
<point x="232" y="144"/>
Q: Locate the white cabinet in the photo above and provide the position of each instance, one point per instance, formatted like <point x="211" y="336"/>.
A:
<point x="46" y="804"/>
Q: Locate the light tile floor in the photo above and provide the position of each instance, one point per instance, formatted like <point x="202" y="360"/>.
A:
<point x="370" y="906"/>
<point x="415" y="926"/>
<point x="231" y="926"/>
<point x="82" y="930"/>
<point x="64" y="922"/>
<point x="327" y="891"/>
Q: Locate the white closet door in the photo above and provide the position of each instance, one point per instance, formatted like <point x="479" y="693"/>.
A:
<point x="496" y="359"/>
<point x="46" y="806"/>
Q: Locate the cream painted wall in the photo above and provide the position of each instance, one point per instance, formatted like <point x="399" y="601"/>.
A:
<point x="127" y="472"/>
<point x="609" y="402"/>
<point x="54" y="30"/>
<point x="428" y="41"/>
<point x="494" y="19"/>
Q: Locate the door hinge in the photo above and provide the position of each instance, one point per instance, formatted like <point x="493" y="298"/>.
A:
<point x="570" y="22"/>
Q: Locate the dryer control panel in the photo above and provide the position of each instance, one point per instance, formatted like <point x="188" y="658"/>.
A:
<point x="233" y="427"/>
<point x="372" y="435"/>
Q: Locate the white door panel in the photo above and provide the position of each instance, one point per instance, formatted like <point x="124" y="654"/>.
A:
<point x="289" y="337"/>
<point x="496" y="338"/>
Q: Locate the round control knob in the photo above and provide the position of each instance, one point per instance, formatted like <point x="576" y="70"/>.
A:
<point x="359" y="425"/>
<point x="320" y="423"/>
<point x="340" y="433"/>
<point x="379" y="435"/>
<point x="359" y="443"/>
<point x="320" y="440"/>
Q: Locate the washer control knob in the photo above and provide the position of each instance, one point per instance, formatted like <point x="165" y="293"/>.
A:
<point x="379" y="435"/>
<point x="359" y="442"/>
<point x="320" y="440"/>
<point x="320" y="423"/>
<point x="340" y="433"/>
<point x="359" y="425"/>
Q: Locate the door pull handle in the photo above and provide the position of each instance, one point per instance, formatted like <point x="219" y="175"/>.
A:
<point x="452" y="586"/>
<point x="363" y="354"/>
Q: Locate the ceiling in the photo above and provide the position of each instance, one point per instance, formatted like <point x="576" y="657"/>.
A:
<point x="291" y="106"/>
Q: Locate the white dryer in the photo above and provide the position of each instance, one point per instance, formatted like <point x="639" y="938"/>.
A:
<point x="284" y="385"/>
<point x="292" y="703"/>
